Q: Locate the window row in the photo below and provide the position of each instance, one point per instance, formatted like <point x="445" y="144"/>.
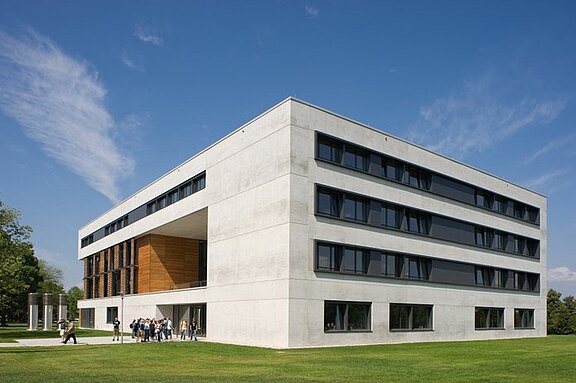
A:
<point x="356" y="317"/>
<point x="183" y="190"/>
<point x="353" y="207"/>
<point x="342" y="258"/>
<point x="502" y="241"/>
<point x="492" y="318"/>
<point x="353" y="156"/>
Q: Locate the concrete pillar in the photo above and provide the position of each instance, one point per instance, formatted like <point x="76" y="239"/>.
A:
<point x="33" y="300"/>
<point x="62" y="306"/>
<point x="48" y="309"/>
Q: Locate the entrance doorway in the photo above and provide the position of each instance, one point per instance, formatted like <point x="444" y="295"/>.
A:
<point x="190" y="312"/>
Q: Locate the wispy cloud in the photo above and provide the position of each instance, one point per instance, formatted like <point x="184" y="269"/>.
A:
<point x="546" y="179"/>
<point x="311" y="11"/>
<point x="477" y="116"/>
<point x="147" y="35"/>
<point x="132" y="63"/>
<point x="60" y="104"/>
<point x="553" y="147"/>
<point x="561" y="274"/>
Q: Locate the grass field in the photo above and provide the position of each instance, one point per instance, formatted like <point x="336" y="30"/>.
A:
<point x="551" y="359"/>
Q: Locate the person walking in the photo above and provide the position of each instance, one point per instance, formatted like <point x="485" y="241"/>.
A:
<point x="70" y="333"/>
<point x="116" y="333"/>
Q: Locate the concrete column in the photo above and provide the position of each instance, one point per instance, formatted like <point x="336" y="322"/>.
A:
<point x="48" y="309"/>
<point x="33" y="299"/>
<point x="62" y="306"/>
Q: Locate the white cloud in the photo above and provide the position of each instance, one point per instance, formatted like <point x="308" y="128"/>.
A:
<point x="60" y="104"/>
<point x="311" y="11"/>
<point x="545" y="180"/>
<point x="553" y="147"/>
<point x="477" y="116"/>
<point x="148" y="36"/>
<point x="561" y="274"/>
<point x="131" y="62"/>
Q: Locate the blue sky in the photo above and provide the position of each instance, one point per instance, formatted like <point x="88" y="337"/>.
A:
<point x="99" y="98"/>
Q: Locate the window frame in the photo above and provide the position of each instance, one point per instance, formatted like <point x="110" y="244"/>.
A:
<point x="408" y="309"/>
<point x="343" y="314"/>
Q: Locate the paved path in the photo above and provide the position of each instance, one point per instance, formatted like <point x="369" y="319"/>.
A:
<point x="58" y="342"/>
<point x="81" y="341"/>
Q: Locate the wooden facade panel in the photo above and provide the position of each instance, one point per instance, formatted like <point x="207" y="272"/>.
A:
<point x="167" y="263"/>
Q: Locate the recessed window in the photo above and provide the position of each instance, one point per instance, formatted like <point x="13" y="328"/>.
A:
<point x="328" y="257"/>
<point x="390" y="265"/>
<point x="417" y="268"/>
<point x="392" y="169"/>
<point x="417" y="178"/>
<point x="500" y="204"/>
<point x="346" y="316"/>
<point x="489" y="318"/>
<point x="523" y="318"/>
<point x="355" y="260"/>
<point x="356" y="158"/>
<point x="198" y="183"/>
<point x="355" y="208"/>
<point x="417" y="222"/>
<point x="329" y="149"/>
<point x="410" y="317"/>
<point x="389" y="216"/>
<point x="484" y="276"/>
<point x="111" y="314"/>
<point x="499" y="242"/>
<point x="519" y="210"/>
<point x="328" y="202"/>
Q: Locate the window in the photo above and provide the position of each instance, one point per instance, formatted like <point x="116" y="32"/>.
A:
<point x="532" y="214"/>
<point x="417" y="178"/>
<point x="162" y="202"/>
<point x="417" y="222"/>
<point x="389" y="216"/>
<point x="328" y="203"/>
<point x="519" y="245"/>
<point x="392" y="169"/>
<point x="489" y="318"/>
<point x="199" y="183"/>
<point x="346" y="316"/>
<point x="151" y="208"/>
<point x="500" y="204"/>
<point x="532" y="246"/>
<point x="526" y="281"/>
<point x="173" y="196"/>
<point x="329" y="149"/>
<point x="500" y="278"/>
<point x="519" y="210"/>
<point x="410" y="317"/>
<point x="523" y="318"/>
<point x="354" y="260"/>
<point x="356" y="158"/>
<point x="484" y="276"/>
<point x="111" y="314"/>
<point x="483" y="199"/>
<point x="389" y="265"/>
<point x="484" y="237"/>
<point x="417" y="268"/>
<point x="499" y="241"/>
<point x="185" y="189"/>
<point x="355" y="208"/>
<point x="328" y="257"/>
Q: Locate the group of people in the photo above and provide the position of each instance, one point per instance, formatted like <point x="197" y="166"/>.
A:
<point x="145" y="330"/>
<point x="67" y="330"/>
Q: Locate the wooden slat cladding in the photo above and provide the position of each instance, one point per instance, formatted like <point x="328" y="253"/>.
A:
<point x="166" y="262"/>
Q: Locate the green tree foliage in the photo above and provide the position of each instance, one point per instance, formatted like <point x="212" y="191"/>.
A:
<point x="51" y="278"/>
<point x="561" y="313"/>
<point x="75" y="293"/>
<point x="19" y="271"/>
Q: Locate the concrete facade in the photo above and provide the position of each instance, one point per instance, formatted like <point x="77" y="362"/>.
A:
<point x="259" y="217"/>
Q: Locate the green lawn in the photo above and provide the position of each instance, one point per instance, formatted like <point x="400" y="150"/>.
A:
<point x="551" y="359"/>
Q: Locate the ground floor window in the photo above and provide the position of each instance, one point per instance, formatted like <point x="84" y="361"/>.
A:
<point x="346" y="316"/>
<point x="87" y="318"/>
<point x="111" y="314"/>
<point x="404" y="317"/>
<point x="489" y="318"/>
<point x="523" y="318"/>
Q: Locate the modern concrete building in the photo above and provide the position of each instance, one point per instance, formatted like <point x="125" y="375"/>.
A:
<point x="305" y="228"/>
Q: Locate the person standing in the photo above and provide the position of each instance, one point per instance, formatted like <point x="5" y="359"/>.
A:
<point x="70" y="333"/>
<point x="193" y="328"/>
<point x="183" y="329"/>
<point x="116" y="334"/>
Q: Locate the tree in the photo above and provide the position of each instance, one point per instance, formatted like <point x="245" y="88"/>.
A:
<point x="570" y="303"/>
<point x="75" y="293"/>
<point x="19" y="271"/>
<point x="560" y="319"/>
<point x="51" y="278"/>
